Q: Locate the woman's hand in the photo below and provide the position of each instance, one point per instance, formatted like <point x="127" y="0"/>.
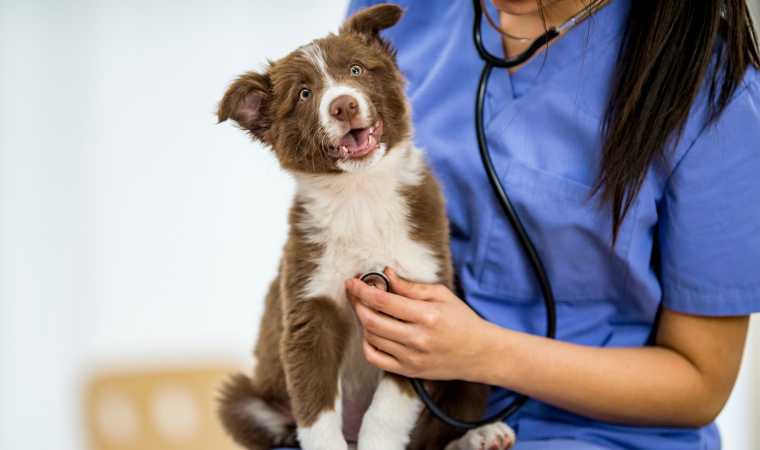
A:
<point x="425" y="331"/>
<point x="419" y="330"/>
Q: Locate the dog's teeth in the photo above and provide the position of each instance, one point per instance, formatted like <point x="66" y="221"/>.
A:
<point x="343" y="148"/>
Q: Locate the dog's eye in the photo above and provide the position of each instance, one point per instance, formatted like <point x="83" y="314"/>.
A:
<point x="304" y="94"/>
<point x="356" y="70"/>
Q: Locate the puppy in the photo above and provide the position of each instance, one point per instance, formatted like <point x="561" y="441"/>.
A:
<point x="335" y="115"/>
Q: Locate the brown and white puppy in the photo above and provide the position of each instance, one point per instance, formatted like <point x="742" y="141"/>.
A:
<point x="335" y="115"/>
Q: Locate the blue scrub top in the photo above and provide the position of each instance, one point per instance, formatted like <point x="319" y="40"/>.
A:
<point x="543" y="126"/>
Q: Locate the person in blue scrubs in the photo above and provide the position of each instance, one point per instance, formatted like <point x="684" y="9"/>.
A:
<point x="650" y="324"/>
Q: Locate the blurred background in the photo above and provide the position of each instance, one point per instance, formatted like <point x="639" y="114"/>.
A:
<point x="136" y="236"/>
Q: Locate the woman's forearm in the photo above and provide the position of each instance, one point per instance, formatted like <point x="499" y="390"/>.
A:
<point x="425" y="331"/>
<point x="643" y="386"/>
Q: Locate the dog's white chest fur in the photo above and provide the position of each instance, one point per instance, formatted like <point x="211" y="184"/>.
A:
<point x="361" y="221"/>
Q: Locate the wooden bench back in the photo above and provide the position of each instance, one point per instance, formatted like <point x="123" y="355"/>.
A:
<point x="155" y="410"/>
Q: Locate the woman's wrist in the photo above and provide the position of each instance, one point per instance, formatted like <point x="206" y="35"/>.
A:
<point x="493" y="346"/>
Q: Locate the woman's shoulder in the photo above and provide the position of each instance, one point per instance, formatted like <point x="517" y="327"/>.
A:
<point x="749" y="89"/>
<point x="737" y="126"/>
<point x="743" y="108"/>
<point x="709" y="221"/>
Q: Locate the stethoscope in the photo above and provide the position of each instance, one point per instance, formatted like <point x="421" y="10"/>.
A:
<point x="379" y="280"/>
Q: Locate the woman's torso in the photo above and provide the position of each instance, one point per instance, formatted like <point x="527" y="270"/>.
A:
<point x="543" y="125"/>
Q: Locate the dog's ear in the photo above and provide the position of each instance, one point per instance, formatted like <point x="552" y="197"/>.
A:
<point x="247" y="102"/>
<point x="373" y="20"/>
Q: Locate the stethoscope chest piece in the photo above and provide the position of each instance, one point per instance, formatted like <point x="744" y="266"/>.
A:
<point x="377" y="280"/>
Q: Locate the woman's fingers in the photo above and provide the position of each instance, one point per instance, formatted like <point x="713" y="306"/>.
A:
<point x="383" y="325"/>
<point x="410" y="289"/>
<point x="379" y="358"/>
<point x="388" y="346"/>
<point x="391" y="304"/>
<point x="406" y="361"/>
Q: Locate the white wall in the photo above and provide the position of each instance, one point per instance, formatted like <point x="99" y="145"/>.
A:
<point x="132" y="228"/>
<point x="740" y="419"/>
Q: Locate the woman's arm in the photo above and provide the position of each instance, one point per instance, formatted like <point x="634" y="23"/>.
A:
<point x="684" y="380"/>
<point x="425" y="331"/>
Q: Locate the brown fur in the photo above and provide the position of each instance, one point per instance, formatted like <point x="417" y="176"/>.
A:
<point x="312" y="348"/>
<point x="459" y="399"/>
<point x="266" y="104"/>
<point x="269" y="384"/>
<point x="426" y="205"/>
<point x="302" y="341"/>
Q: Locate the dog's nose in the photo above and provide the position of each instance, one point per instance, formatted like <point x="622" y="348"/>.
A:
<point x="344" y="108"/>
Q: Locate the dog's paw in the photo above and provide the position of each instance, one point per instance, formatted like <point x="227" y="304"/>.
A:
<point x="494" y="436"/>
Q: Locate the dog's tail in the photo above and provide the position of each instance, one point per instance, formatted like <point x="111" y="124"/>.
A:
<point x="250" y="420"/>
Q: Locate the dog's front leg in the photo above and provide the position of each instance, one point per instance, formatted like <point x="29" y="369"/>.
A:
<point x="315" y="335"/>
<point x="390" y="419"/>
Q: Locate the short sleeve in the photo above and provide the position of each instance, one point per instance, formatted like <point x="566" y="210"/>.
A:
<point x="709" y="227"/>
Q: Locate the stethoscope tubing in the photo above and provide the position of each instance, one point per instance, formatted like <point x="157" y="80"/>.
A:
<point x="491" y="61"/>
<point x="496" y="61"/>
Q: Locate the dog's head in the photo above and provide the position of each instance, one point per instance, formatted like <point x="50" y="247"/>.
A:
<point x="336" y="104"/>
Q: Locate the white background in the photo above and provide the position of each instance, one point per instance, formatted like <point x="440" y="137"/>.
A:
<point x="133" y="229"/>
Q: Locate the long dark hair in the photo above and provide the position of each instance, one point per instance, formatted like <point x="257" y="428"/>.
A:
<point x="670" y="49"/>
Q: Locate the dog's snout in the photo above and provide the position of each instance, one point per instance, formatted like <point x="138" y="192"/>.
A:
<point x="344" y="108"/>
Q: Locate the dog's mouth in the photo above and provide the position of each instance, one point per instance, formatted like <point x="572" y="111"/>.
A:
<point x="358" y="142"/>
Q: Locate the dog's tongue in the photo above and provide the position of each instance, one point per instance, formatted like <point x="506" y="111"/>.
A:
<point x="356" y="142"/>
<point x="348" y="141"/>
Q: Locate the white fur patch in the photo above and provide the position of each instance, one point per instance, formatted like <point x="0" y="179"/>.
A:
<point x="327" y="432"/>
<point x="390" y="419"/>
<point x="335" y="128"/>
<point x="314" y="54"/>
<point x="361" y="220"/>
<point x="266" y="416"/>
